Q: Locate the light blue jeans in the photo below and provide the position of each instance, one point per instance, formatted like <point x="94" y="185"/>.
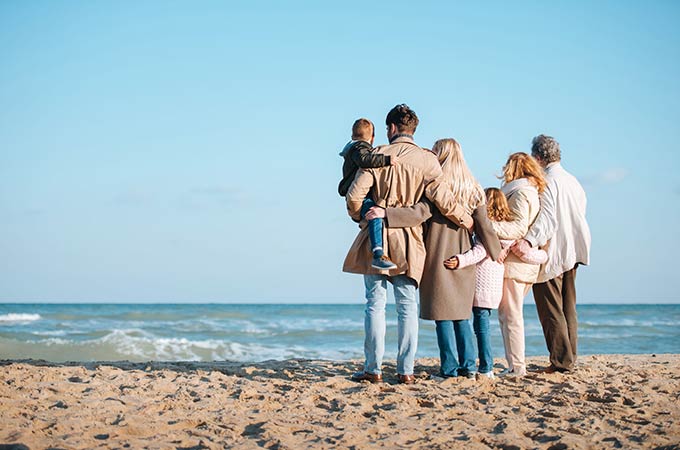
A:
<point x="374" y="322"/>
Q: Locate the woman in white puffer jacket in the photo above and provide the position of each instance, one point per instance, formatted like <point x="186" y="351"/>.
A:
<point x="523" y="182"/>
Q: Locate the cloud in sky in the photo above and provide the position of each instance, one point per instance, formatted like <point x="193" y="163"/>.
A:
<point x="612" y="175"/>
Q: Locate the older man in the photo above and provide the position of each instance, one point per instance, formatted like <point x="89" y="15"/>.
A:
<point x="395" y="186"/>
<point x="561" y="225"/>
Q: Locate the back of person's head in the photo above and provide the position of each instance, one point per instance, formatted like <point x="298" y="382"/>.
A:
<point x="404" y="118"/>
<point x="546" y="148"/>
<point x="497" y="207"/>
<point x="363" y="130"/>
<point x="521" y="165"/>
<point x="457" y="175"/>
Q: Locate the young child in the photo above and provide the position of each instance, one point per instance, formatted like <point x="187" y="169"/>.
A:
<point x="358" y="153"/>
<point x="489" y="277"/>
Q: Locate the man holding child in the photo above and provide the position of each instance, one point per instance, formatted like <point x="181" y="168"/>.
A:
<point x="399" y="185"/>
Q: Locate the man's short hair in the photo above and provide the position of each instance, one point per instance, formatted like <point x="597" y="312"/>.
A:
<point x="546" y="148"/>
<point x="404" y="118"/>
<point x="363" y="130"/>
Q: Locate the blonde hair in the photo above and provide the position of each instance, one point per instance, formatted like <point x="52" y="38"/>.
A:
<point x="521" y="165"/>
<point x="497" y="207"/>
<point x="464" y="186"/>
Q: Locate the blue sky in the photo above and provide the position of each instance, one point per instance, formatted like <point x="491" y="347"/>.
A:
<point x="188" y="151"/>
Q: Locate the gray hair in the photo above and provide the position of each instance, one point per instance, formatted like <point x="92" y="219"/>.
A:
<point x="546" y="148"/>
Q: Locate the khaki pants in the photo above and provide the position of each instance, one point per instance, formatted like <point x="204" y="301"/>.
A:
<point x="556" y="306"/>
<point x="511" y="319"/>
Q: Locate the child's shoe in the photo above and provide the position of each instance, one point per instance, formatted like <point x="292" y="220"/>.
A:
<point x="383" y="263"/>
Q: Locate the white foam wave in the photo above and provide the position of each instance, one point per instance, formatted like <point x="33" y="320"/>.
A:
<point x="139" y="345"/>
<point x="50" y="333"/>
<point x="14" y="317"/>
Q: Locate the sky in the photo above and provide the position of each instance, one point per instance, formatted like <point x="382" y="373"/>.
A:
<point x="164" y="151"/>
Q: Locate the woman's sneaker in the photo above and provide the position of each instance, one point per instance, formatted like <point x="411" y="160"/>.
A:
<point x="383" y="263"/>
<point x="487" y="375"/>
<point x="513" y="373"/>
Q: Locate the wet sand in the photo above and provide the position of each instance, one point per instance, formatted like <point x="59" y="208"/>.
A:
<point x="610" y="401"/>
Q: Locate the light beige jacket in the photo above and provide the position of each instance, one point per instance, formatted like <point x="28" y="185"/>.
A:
<point x="402" y="185"/>
<point x="524" y="203"/>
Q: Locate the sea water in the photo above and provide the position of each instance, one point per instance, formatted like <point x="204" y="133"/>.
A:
<point x="251" y="333"/>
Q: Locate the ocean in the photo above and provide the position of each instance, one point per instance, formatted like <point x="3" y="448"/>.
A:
<point x="252" y="333"/>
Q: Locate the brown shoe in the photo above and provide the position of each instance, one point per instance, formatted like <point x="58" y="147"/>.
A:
<point x="364" y="376"/>
<point x="406" y="379"/>
<point x="551" y="369"/>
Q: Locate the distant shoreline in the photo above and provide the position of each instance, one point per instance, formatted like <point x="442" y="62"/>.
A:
<point x="282" y="303"/>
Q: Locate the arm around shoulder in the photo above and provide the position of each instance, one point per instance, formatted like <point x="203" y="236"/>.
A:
<point x="408" y="216"/>
<point x="485" y="232"/>
<point x="439" y="193"/>
<point x="364" y="157"/>
<point x="544" y="226"/>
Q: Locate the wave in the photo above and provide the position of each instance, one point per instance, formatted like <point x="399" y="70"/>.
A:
<point x="14" y="317"/>
<point x="621" y="323"/>
<point x="140" y="345"/>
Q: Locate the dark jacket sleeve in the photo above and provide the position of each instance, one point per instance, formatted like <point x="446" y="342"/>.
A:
<point x="485" y="232"/>
<point x="409" y="216"/>
<point x="364" y="157"/>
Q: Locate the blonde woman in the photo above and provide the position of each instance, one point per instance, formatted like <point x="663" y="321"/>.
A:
<point x="523" y="181"/>
<point x="446" y="296"/>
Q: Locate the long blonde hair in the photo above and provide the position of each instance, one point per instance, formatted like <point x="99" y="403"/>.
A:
<point x="497" y="208"/>
<point x="464" y="186"/>
<point x="521" y="165"/>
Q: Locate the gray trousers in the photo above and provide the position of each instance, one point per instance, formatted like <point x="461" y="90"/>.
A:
<point x="556" y="306"/>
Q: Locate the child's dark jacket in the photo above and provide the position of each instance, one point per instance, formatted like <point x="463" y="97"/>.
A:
<point x="358" y="154"/>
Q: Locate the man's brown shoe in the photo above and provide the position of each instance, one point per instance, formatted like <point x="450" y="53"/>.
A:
<point x="364" y="376"/>
<point x="406" y="379"/>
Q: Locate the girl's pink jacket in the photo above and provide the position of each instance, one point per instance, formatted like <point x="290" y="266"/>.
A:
<point x="489" y="273"/>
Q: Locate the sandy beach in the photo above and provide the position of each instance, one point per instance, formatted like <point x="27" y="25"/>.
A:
<point x="610" y="401"/>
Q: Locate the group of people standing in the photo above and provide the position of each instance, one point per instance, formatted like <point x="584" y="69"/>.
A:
<point x="427" y="224"/>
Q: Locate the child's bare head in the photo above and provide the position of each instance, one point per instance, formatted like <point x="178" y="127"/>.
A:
<point x="363" y="130"/>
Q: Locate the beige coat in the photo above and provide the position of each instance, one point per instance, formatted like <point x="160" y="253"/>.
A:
<point x="402" y="185"/>
<point x="446" y="294"/>
<point x="524" y="204"/>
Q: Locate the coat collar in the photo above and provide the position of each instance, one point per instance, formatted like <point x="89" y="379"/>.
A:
<point x="402" y="137"/>
<point x="553" y="166"/>
<point x="515" y="185"/>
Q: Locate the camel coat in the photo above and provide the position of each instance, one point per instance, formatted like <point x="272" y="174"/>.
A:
<point x="402" y="185"/>
<point x="524" y="203"/>
<point x="446" y="294"/>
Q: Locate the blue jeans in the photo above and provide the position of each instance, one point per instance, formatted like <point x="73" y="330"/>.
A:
<point x="375" y="229"/>
<point x="374" y="322"/>
<point x="481" y="325"/>
<point x="456" y="333"/>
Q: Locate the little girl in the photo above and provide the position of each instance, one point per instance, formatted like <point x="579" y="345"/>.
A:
<point x="489" y="277"/>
